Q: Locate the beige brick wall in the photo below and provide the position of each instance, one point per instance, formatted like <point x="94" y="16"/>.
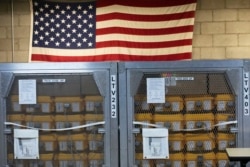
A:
<point x="222" y="30"/>
<point x="17" y="50"/>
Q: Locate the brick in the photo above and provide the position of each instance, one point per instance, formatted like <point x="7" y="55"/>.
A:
<point x="203" y="15"/>
<point x="9" y="32"/>
<point x="236" y="4"/>
<point x="238" y="27"/>
<point x="21" y="57"/>
<point x="21" y="7"/>
<point x="5" y="7"/>
<point x="225" y="40"/>
<point x="16" y="20"/>
<point x="244" y="15"/>
<point x="16" y="44"/>
<point x="197" y="28"/>
<point x="213" y="53"/>
<point x="202" y="41"/>
<point x="196" y="53"/>
<point x="24" y="0"/>
<point x="3" y="33"/>
<point x="213" y="28"/>
<point x="24" y="44"/>
<point x="5" y="45"/>
<point x="238" y="52"/>
<point x="10" y="56"/>
<point x="24" y="20"/>
<point x="212" y="4"/>
<point x="4" y="1"/>
<point x="5" y="20"/>
<point x="225" y="15"/>
<point x="22" y="32"/>
<point x="198" y="4"/>
<point x="27" y="1"/>
<point x="3" y="57"/>
<point x="244" y="40"/>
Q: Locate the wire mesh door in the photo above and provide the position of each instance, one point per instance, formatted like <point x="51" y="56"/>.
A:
<point x="68" y="113"/>
<point x="199" y="111"/>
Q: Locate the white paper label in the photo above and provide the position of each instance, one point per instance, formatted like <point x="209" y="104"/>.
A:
<point x="155" y="90"/>
<point x="27" y="91"/>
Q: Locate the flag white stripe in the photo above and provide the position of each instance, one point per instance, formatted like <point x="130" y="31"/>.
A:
<point x="145" y="10"/>
<point x="144" y="38"/>
<point x="112" y="50"/>
<point x="144" y="25"/>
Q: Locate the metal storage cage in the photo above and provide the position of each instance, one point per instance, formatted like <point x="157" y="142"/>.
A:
<point x="67" y="96"/>
<point x="205" y="108"/>
<point x="202" y="110"/>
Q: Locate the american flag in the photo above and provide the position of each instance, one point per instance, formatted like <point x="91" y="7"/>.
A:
<point x="112" y="30"/>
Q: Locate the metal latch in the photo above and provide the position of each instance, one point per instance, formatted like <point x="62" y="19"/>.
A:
<point x="101" y="130"/>
<point x="7" y="131"/>
<point x="136" y="130"/>
<point x="233" y="130"/>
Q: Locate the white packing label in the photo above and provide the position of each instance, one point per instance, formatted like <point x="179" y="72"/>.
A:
<point x="90" y="105"/>
<point x="75" y="107"/>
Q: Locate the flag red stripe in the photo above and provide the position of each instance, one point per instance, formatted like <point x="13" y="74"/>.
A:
<point x="110" y="57"/>
<point x="149" y="18"/>
<point x="133" y="31"/>
<point x="144" y="44"/>
<point x="144" y="3"/>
